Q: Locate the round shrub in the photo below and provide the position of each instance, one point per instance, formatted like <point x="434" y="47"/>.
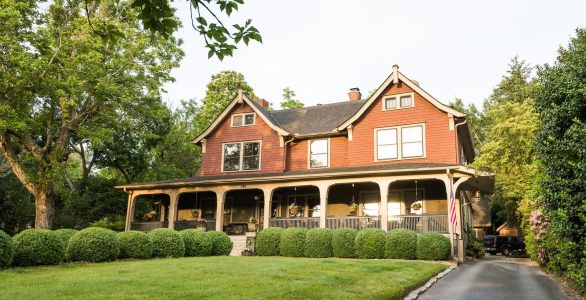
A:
<point x="34" y="247"/>
<point x="318" y="242"/>
<point x="268" y="241"/>
<point x="293" y="242"/>
<point x="221" y="243"/>
<point x="433" y="246"/>
<point x="197" y="242"/>
<point x="343" y="242"/>
<point x="65" y="234"/>
<point x="401" y="243"/>
<point x="6" y="249"/>
<point x="93" y="244"/>
<point x="134" y="244"/>
<point x="370" y="243"/>
<point x="166" y="243"/>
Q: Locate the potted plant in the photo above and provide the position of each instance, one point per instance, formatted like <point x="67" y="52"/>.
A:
<point x="294" y="209"/>
<point x="252" y="224"/>
<point x="353" y="208"/>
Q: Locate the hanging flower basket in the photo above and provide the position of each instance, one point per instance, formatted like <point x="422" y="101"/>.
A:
<point x="294" y="209"/>
<point x="353" y="207"/>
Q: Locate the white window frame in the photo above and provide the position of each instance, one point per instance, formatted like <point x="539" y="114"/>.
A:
<point x="398" y="98"/>
<point x="399" y="142"/>
<point x="242" y="156"/>
<point x="243" y="118"/>
<point x="309" y="154"/>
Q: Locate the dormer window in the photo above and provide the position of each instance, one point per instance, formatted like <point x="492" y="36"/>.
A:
<point x="398" y="101"/>
<point x="247" y="119"/>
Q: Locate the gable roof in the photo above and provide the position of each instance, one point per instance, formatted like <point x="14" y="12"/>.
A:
<point x="395" y="77"/>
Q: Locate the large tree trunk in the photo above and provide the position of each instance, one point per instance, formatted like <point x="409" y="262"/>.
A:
<point x="44" y="208"/>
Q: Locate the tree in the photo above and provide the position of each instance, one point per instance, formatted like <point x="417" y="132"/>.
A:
<point x="561" y="145"/>
<point x="474" y="118"/>
<point x="289" y="101"/>
<point x="58" y="77"/>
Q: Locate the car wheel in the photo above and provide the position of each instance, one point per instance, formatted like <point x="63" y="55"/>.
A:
<point x="506" y="252"/>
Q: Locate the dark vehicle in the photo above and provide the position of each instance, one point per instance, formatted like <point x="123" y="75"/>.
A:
<point x="503" y="244"/>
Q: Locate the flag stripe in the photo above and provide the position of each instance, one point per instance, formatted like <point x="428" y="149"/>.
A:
<point x="453" y="218"/>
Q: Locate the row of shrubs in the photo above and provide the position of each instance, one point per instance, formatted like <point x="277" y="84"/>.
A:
<point x="351" y="243"/>
<point x="45" y="247"/>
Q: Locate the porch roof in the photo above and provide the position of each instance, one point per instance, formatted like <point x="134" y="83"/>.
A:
<point x="404" y="168"/>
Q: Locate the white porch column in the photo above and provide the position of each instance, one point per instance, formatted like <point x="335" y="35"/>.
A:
<point x="220" y="200"/>
<point x="323" y="204"/>
<point x="383" y="186"/>
<point x="130" y="212"/>
<point x="454" y="232"/>
<point x="268" y="198"/>
<point x="173" y="201"/>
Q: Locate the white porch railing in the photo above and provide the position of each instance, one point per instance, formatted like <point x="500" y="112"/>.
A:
<point x="295" y="222"/>
<point x="353" y="222"/>
<point x="420" y="223"/>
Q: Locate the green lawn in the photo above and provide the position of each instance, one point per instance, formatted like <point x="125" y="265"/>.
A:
<point x="220" y="278"/>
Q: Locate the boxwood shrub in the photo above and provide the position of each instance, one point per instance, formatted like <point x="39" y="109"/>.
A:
<point x="293" y="242"/>
<point x="343" y="241"/>
<point x="38" y="247"/>
<point x="93" y="244"/>
<point x="401" y="243"/>
<point x="221" y="243"/>
<point x="197" y="242"/>
<point x="433" y="246"/>
<point x="6" y="249"/>
<point x="268" y="241"/>
<point x="370" y="243"/>
<point x="318" y="242"/>
<point x="135" y="244"/>
<point x="166" y="243"/>
<point x="65" y="234"/>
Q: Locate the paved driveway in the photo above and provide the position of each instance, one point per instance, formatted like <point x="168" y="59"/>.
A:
<point x="495" y="277"/>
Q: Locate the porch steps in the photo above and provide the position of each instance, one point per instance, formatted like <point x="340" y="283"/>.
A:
<point x="239" y="243"/>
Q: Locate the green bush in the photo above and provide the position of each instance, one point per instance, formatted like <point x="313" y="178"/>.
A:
<point x="343" y="241"/>
<point x="6" y="249"/>
<point x="433" y="246"/>
<point x="221" y="243"/>
<point x="135" y="244"/>
<point x="93" y="244"/>
<point x="268" y="241"/>
<point x="318" y="242"/>
<point x="38" y="247"/>
<point x="401" y="243"/>
<point x="370" y="243"/>
<point x="117" y="223"/>
<point x="166" y="243"/>
<point x="293" y="242"/>
<point x="65" y="234"/>
<point x="197" y="242"/>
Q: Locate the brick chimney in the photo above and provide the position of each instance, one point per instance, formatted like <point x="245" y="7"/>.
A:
<point x="264" y="103"/>
<point x="354" y="94"/>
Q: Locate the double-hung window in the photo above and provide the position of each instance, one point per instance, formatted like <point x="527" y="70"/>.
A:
<point x="410" y="138"/>
<point x="242" y="156"/>
<point x="386" y="144"/>
<point x="412" y="141"/>
<point x="319" y="153"/>
<point x="239" y="120"/>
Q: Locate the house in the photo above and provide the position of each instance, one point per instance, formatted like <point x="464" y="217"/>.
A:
<point x="390" y="161"/>
<point x="506" y="230"/>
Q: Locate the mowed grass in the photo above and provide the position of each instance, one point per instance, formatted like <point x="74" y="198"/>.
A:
<point x="220" y="278"/>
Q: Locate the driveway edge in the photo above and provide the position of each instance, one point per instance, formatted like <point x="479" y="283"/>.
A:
<point x="414" y="294"/>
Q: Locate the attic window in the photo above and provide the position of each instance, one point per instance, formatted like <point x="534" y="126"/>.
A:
<point x="239" y="120"/>
<point x="398" y="101"/>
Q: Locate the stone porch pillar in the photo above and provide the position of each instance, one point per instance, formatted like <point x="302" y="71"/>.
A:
<point x="268" y="198"/>
<point x="220" y="200"/>
<point x="383" y="186"/>
<point x="173" y="202"/>
<point x="323" y="204"/>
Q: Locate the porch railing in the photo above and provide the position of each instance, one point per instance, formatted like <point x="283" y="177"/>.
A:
<point x="421" y="223"/>
<point x="182" y="225"/>
<point x="147" y="226"/>
<point x="353" y="222"/>
<point x="295" y="222"/>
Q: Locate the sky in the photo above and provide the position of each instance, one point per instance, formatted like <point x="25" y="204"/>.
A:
<point x="321" y="49"/>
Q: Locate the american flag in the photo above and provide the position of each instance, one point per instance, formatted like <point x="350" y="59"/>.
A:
<point x="453" y="218"/>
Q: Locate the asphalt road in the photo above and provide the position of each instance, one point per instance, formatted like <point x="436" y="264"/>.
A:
<point x="494" y="278"/>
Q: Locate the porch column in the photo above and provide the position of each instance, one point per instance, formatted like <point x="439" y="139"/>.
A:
<point x="323" y="204"/>
<point x="220" y="200"/>
<point x="454" y="233"/>
<point x="268" y="198"/>
<point x="173" y="201"/>
<point x="130" y="212"/>
<point x="383" y="186"/>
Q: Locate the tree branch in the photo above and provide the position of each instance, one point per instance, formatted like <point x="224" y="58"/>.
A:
<point x="16" y="165"/>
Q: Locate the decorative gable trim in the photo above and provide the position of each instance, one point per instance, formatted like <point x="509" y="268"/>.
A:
<point x="394" y="78"/>
<point x="240" y="98"/>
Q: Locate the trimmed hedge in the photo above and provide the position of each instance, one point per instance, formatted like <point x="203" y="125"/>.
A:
<point x="401" y="243"/>
<point x="65" y="234"/>
<point x="221" y="243"/>
<point x="166" y="243"/>
<point x="197" y="242"/>
<point x="268" y="241"/>
<point x="6" y="249"/>
<point x="293" y="242"/>
<point x="318" y="242"/>
<point x="343" y="242"/>
<point x="93" y="244"/>
<point x="370" y="243"/>
<point x="34" y="247"/>
<point x="433" y="246"/>
<point x="135" y="244"/>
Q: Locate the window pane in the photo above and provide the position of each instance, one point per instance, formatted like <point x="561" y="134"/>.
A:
<point x="406" y="101"/>
<point x="412" y="149"/>
<point x="319" y="146"/>
<point x="249" y="119"/>
<point x="237" y="121"/>
<point x="387" y="137"/>
<point x="250" y="163"/>
<point x="251" y="149"/>
<point x="394" y="208"/>
<point x="370" y="209"/>
<point x="231" y="157"/>
<point x="232" y="164"/>
<point x="319" y="160"/>
<point x="412" y="134"/>
<point x="390" y="103"/>
<point x="231" y="150"/>
<point x="387" y="152"/>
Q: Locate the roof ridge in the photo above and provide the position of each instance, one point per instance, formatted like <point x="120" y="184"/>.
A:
<point x="320" y="105"/>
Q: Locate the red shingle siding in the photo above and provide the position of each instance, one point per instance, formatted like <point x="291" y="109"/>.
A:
<point x="271" y="152"/>
<point x="297" y="153"/>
